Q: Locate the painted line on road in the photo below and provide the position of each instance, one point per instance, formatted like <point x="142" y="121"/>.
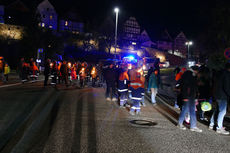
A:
<point x="15" y="84"/>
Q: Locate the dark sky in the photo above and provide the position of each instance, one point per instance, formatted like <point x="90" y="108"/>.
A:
<point x="191" y="17"/>
<point x="175" y="15"/>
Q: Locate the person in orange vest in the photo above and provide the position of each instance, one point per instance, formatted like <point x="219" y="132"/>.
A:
<point x="137" y="91"/>
<point x="178" y="101"/>
<point x="123" y="87"/>
<point x="94" y="75"/>
<point x="34" y="71"/>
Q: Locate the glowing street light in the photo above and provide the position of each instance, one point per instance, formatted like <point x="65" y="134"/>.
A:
<point x="116" y="10"/>
<point x="188" y="43"/>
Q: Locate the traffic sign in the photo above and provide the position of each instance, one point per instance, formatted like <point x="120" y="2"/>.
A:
<point x="227" y="53"/>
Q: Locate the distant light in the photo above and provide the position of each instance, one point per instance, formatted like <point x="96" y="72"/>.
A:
<point x="43" y="24"/>
<point x="66" y="23"/>
<point x="134" y="43"/>
<point x="116" y="10"/>
<point x="50" y="26"/>
<point x="189" y="43"/>
<point x="38" y="60"/>
<point x="9" y="17"/>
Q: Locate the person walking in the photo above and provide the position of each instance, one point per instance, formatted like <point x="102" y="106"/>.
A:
<point x="2" y="65"/>
<point x="189" y="91"/>
<point x="221" y="94"/>
<point x="153" y="84"/>
<point x="47" y="72"/>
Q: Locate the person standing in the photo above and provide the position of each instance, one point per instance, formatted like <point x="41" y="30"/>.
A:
<point x="154" y="83"/>
<point x="64" y="72"/>
<point x="189" y="91"/>
<point x="2" y="65"/>
<point x="47" y="71"/>
<point x="6" y="71"/>
<point x="137" y="91"/>
<point x="94" y="76"/>
<point x="110" y="77"/>
<point x="221" y="94"/>
<point x="123" y="87"/>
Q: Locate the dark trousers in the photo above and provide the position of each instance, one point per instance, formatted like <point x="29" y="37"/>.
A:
<point x="110" y="85"/>
<point x="94" y="81"/>
<point x="46" y="80"/>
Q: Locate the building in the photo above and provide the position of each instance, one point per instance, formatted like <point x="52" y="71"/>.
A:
<point x="48" y="15"/>
<point x="1" y="14"/>
<point x="179" y="44"/>
<point x="146" y="41"/>
<point x="131" y="32"/>
<point x="165" y="42"/>
<point x="70" y="22"/>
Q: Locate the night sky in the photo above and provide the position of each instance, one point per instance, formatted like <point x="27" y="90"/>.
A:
<point x="191" y="17"/>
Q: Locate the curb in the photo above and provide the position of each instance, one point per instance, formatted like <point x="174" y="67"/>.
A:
<point x="15" y="84"/>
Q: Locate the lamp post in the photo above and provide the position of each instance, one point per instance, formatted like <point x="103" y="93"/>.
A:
<point x="188" y="43"/>
<point x="116" y="10"/>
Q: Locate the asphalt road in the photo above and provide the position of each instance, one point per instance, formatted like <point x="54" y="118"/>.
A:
<point x="80" y="120"/>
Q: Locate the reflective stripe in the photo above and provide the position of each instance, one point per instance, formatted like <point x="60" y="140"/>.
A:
<point x="122" y="90"/>
<point x="135" y="98"/>
<point x="53" y="83"/>
<point x="143" y="94"/>
<point x="133" y="107"/>
<point x="135" y="84"/>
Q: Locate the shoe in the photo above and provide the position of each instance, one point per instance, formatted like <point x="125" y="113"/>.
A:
<point x="196" y="129"/>
<point x="143" y="104"/>
<point x="154" y="104"/>
<point x="210" y="127"/>
<point x="181" y="126"/>
<point x="122" y="106"/>
<point x="127" y="105"/>
<point x="138" y="113"/>
<point x="108" y="99"/>
<point x="222" y="131"/>
<point x="114" y="99"/>
<point x="132" y="113"/>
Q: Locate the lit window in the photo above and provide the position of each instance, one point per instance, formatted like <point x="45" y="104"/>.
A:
<point x="66" y="23"/>
<point x="43" y="24"/>
<point x="50" y="26"/>
<point x="51" y="17"/>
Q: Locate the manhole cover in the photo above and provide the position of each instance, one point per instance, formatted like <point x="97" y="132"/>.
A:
<point x="143" y="123"/>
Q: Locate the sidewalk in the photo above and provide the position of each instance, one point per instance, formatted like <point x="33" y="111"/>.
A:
<point x="15" y="80"/>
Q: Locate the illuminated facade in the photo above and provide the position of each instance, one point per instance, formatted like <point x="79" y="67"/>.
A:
<point x="131" y="32"/>
<point x="70" y="22"/>
<point x="48" y="15"/>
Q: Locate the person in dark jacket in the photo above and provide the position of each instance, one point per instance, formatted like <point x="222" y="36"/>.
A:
<point x="64" y="72"/>
<point x="189" y="92"/>
<point x="110" y="76"/>
<point x="47" y="71"/>
<point x="221" y="94"/>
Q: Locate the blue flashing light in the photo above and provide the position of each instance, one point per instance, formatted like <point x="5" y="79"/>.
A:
<point x="131" y="58"/>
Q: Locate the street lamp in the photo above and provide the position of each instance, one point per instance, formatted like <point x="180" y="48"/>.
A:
<point x="188" y="43"/>
<point x="116" y="10"/>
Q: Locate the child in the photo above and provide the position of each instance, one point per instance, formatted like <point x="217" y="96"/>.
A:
<point x="123" y="87"/>
<point x="137" y="91"/>
<point x="6" y="71"/>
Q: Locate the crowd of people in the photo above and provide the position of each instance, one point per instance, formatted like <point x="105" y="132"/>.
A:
<point x="197" y="86"/>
